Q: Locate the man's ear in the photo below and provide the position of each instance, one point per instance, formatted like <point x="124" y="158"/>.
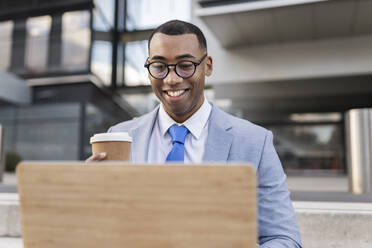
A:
<point x="208" y="68"/>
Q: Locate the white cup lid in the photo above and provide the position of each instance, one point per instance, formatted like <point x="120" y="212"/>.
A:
<point x="116" y="136"/>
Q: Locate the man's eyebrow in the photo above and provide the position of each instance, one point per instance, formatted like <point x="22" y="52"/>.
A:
<point x="157" y="57"/>
<point x="183" y="56"/>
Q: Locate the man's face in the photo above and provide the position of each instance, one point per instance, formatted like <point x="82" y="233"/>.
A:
<point x="180" y="97"/>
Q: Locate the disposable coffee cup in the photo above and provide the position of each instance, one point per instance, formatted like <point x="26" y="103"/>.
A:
<point x="115" y="145"/>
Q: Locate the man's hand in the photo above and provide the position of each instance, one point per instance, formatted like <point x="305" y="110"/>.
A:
<point x="98" y="157"/>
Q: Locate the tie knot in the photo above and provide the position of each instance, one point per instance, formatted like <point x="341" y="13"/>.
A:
<point x="178" y="133"/>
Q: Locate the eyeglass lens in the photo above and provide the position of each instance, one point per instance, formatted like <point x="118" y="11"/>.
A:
<point x="183" y="69"/>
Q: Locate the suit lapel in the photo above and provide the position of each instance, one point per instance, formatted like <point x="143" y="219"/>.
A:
<point x="141" y="137"/>
<point x="219" y="139"/>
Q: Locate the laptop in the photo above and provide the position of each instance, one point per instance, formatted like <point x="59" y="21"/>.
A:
<point x="116" y="204"/>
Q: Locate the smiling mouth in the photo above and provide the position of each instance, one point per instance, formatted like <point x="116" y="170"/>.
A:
<point x="175" y="93"/>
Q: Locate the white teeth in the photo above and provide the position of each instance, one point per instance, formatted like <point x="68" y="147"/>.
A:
<point x="175" y="93"/>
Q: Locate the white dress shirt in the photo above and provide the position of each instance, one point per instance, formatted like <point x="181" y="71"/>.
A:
<point x="161" y="142"/>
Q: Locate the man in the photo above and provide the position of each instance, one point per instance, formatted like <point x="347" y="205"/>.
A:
<point x="186" y="127"/>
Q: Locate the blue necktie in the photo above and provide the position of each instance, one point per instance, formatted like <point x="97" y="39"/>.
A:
<point x="178" y="134"/>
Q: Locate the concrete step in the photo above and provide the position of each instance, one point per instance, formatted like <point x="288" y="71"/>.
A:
<point x="10" y="224"/>
<point x="6" y="242"/>
<point x="334" y="224"/>
<point x="322" y="224"/>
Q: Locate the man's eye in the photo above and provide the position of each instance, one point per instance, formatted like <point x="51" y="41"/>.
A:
<point x="158" y="67"/>
<point x="186" y="66"/>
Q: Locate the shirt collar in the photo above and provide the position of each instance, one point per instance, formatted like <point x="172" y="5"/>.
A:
<point x="194" y="124"/>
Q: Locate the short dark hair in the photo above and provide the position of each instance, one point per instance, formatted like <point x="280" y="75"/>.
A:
<point x="177" y="27"/>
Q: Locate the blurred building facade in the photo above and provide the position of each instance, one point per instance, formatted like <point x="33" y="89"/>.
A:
<point x="56" y="74"/>
<point x="295" y="67"/>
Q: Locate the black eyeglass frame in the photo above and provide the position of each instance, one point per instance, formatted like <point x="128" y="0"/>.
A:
<point x="175" y="66"/>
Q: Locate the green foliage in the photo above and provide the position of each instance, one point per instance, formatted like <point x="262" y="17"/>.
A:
<point x="11" y="161"/>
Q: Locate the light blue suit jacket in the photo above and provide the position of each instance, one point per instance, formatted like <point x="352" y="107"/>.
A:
<point x="231" y="139"/>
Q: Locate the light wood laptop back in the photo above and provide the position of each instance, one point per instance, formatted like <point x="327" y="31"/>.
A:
<point x="136" y="206"/>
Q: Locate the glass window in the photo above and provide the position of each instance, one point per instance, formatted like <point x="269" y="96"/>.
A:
<point x="135" y="57"/>
<point x="101" y="60"/>
<point x="310" y="146"/>
<point x="97" y="121"/>
<point x="147" y="14"/>
<point x="6" y="29"/>
<point x="8" y="121"/>
<point x="55" y="131"/>
<point x="49" y="140"/>
<point x="103" y="15"/>
<point x="38" y="29"/>
<point x="75" y="40"/>
<point x="120" y="65"/>
<point x="144" y="102"/>
<point x="316" y="117"/>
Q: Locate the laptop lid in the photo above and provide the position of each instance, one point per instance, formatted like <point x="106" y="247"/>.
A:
<point x="113" y="204"/>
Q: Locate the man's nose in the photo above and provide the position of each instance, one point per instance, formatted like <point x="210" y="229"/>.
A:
<point x="172" y="77"/>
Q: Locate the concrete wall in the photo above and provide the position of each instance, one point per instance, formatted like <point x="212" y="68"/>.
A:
<point x="281" y="61"/>
<point x="290" y="61"/>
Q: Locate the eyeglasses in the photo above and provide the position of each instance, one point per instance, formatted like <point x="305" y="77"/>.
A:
<point x="184" y="69"/>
